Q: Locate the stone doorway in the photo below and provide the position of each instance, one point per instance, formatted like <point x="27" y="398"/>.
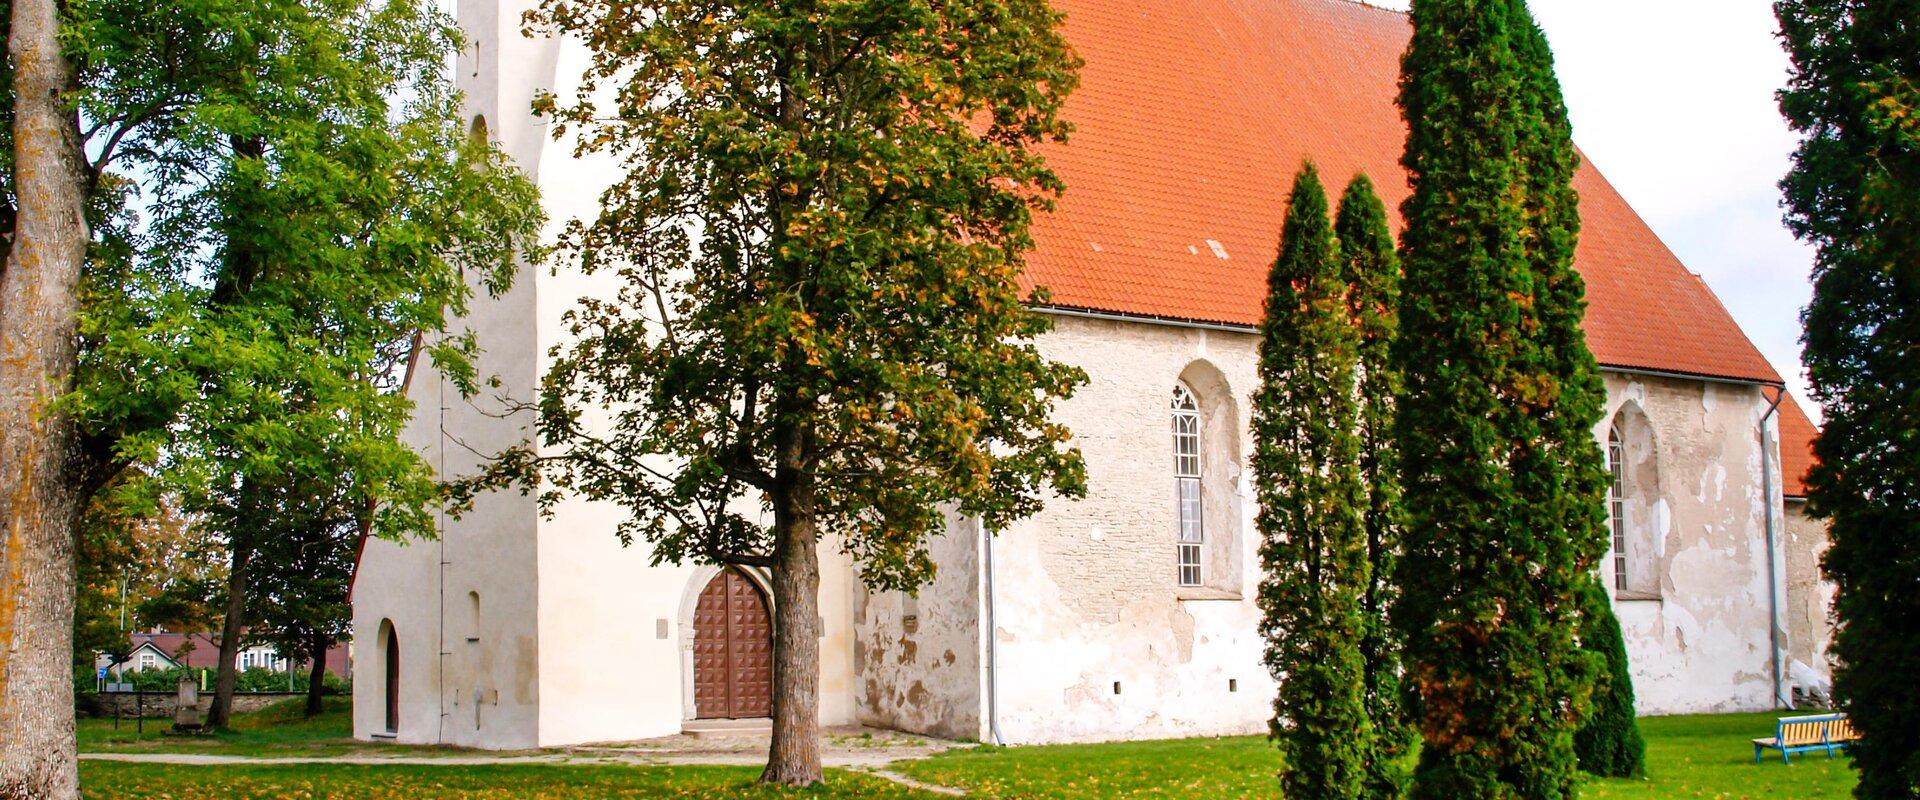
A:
<point x="732" y="649"/>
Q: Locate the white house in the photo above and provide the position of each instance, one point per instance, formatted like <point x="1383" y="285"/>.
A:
<point x="1127" y="614"/>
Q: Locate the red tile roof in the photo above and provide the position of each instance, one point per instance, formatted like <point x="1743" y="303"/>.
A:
<point x="188" y="649"/>
<point x="1193" y="116"/>
<point x="1797" y="432"/>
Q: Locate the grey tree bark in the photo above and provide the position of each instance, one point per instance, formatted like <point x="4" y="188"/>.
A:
<point x="232" y="631"/>
<point x="39" y="446"/>
<point x="793" y="757"/>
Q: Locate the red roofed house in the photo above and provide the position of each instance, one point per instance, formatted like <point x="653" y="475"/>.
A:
<point x="1129" y="614"/>
<point x="167" y="650"/>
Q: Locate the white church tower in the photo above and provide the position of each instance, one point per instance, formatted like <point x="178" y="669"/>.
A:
<point x="515" y="630"/>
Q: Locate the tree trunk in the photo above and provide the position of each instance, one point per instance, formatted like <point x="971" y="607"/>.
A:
<point x="793" y="759"/>
<point x="316" y="672"/>
<point x="40" y="499"/>
<point x="232" y="628"/>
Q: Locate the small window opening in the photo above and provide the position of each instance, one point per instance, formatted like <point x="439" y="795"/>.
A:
<point x="473" y="616"/>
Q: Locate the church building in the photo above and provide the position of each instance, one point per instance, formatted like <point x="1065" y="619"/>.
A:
<point x="1129" y="614"/>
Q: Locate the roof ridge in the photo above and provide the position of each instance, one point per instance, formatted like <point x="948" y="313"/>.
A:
<point x="1365" y="4"/>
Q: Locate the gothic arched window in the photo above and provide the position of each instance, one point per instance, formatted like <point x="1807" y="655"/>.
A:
<point x="1636" y="513"/>
<point x="1186" y="475"/>
<point x="1617" y="504"/>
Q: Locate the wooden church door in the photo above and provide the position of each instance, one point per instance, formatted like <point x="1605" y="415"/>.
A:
<point x="732" y="650"/>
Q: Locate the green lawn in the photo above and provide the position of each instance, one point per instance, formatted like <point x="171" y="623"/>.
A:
<point x="281" y="729"/>
<point x="1688" y="757"/>
<point x="311" y="781"/>
<point x="1710" y="757"/>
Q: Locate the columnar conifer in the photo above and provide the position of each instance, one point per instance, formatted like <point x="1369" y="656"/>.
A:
<point x="1503" y="480"/>
<point x="1312" y="508"/>
<point x="1609" y="744"/>
<point x="1372" y="274"/>
<point x="1854" y="194"/>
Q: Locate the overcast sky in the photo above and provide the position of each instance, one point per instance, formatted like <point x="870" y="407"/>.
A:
<point x="1674" y="102"/>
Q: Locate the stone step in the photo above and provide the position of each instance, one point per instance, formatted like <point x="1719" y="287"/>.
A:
<point x="760" y="727"/>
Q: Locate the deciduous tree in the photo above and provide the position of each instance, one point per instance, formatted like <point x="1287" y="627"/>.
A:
<point x="47" y="234"/>
<point x="1504" y="482"/>
<point x="155" y="114"/>
<point x="1854" y="194"/>
<point x="343" y="217"/>
<point x="818" y="238"/>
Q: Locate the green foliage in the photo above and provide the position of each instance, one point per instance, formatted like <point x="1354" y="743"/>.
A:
<point x="1854" y="194"/>
<point x="818" y="241"/>
<point x="139" y="565"/>
<point x="297" y="598"/>
<point x="1503" y="481"/>
<point x="1608" y="743"/>
<point x="332" y="226"/>
<point x="1313" y="544"/>
<point x="1371" y="270"/>
<point x="290" y="210"/>
<point x="257" y="679"/>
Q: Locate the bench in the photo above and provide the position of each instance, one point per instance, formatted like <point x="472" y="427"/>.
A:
<point x="1791" y="735"/>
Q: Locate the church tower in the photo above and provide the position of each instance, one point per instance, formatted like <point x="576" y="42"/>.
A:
<point x="518" y="629"/>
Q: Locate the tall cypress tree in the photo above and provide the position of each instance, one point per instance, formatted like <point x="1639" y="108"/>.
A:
<point x="1503" y="481"/>
<point x="1312" y="508"/>
<point x="1371" y="270"/>
<point x="1854" y="193"/>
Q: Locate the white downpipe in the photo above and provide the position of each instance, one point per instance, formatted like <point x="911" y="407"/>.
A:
<point x="992" y="634"/>
<point x="1767" y="449"/>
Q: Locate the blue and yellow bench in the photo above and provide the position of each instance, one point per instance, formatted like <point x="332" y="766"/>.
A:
<point x="1828" y="732"/>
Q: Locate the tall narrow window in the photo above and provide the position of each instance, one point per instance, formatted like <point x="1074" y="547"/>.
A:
<point x="1186" y="473"/>
<point x="393" y="680"/>
<point x="1617" y="505"/>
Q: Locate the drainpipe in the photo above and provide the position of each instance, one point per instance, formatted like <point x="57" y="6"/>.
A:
<point x="1780" y="698"/>
<point x="993" y="661"/>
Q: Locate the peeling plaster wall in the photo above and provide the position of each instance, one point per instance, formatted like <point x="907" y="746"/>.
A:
<point x="917" y="661"/>
<point x="1698" y="639"/>
<point x="1809" y="609"/>
<point x="1087" y="589"/>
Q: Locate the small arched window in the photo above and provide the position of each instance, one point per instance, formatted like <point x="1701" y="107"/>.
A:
<point x="473" y="616"/>
<point x="1186" y="474"/>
